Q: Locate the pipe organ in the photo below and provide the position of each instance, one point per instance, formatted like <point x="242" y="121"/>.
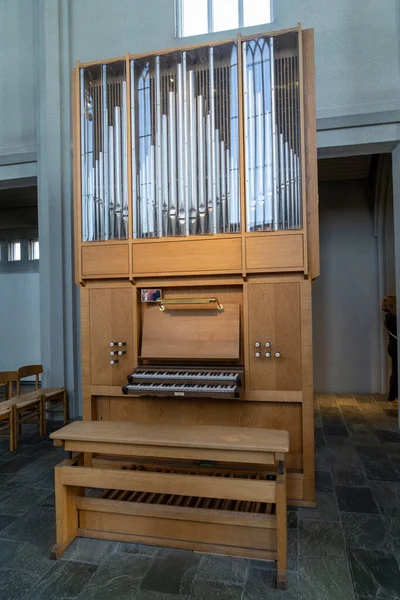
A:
<point x="196" y="239"/>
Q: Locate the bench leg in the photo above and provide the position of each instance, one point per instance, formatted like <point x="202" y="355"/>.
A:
<point x="281" y="530"/>
<point x="66" y="513"/>
<point x="65" y="399"/>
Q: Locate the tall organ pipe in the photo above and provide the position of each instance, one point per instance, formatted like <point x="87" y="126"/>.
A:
<point x="105" y="154"/>
<point x="172" y="163"/>
<point x="158" y="150"/>
<point x="84" y="170"/>
<point x="193" y="156"/>
<point x="133" y="164"/>
<point x="201" y="164"/>
<point x="274" y="139"/>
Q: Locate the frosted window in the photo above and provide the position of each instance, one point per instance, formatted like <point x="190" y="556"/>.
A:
<point x="225" y="14"/>
<point x="256" y="12"/>
<point x="194" y="17"/>
<point x="14" y="251"/>
<point x="34" y="250"/>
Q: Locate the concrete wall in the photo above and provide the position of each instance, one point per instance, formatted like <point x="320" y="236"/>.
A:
<point x="346" y="303"/>
<point x="357" y="57"/>
<point x="17" y="77"/>
<point x="19" y="322"/>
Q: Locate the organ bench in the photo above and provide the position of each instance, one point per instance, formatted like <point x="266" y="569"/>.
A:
<point x="209" y="489"/>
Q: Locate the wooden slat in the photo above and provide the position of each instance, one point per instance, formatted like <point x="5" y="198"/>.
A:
<point x="173" y="453"/>
<point x="208" y="487"/>
<point x="162" y="434"/>
<point x="177" y="512"/>
<point x="105" y="260"/>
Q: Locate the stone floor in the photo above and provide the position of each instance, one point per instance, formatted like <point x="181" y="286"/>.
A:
<point x="348" y="548"/>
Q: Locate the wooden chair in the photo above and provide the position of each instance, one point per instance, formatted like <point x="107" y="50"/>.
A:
<point x="7" y="379"/>
<point x="7" y="422"/>
<point x="53" y="397"/>
<point x="27" y="409"/>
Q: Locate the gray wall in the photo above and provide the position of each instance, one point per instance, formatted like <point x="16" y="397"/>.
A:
<point x="17" y="77"/>
<point x="346" y="303"/>
<point x="19" y="322"/>
<point x="354" y="39"/>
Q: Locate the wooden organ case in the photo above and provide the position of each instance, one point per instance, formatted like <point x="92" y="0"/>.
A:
<point x="196" y="175"/>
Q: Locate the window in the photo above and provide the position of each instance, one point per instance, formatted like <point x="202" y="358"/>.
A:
<point x="34" y="250"/>
<point x="14" y="251"/>
<point x="195" y="17"/>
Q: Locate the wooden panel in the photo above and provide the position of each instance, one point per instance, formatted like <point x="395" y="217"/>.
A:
<point x="165" y="511"/>
<point x="274" y="317"/>
<point x="185" y="334"/>
<point x="167" y="483"/>
<point x="310" y="134"/>
<point x="111" y="320"/>
<point x="265" y="252"/>
<point x="161" y="434"/>
<point x="187" y="256"/>
<point x="166" y="529"/>
<point x="195" y="546"/>
<point x="190" y="411"/>
<point x="103" y="409"/>
<point x="108" y="260"/>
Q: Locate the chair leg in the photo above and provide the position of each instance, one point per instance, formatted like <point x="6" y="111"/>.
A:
<point x="42" y="415"/>
<point x="65" y="399"/>
<point x="14" y="422"/>
<point x="11" y="432"/>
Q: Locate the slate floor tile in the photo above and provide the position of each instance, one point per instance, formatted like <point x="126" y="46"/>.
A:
<point x="292" y="520"/>
<point x="213" y="590"/>
<point x="349" y="476"/>
<point x="36" y="526"/>
<point x="381" y="471"/>
<point x="382" y="434"/>
<point x="16" y="464"/>
<point x="64" y="580"/>
<point x="172" y="572"/>
<point x="22" y="500"/>
<point x="375" y="573"/>
<point x="151" y="595"/>
<point x="118" y="577"/>
<point x="364" y="531"/>
<point x="392" y="449"/>
<point x="40" y="450"/>
<point x="321" y="539"/>
<point x="371" y="453"/>
<point x="87" y="550"/>
<point x="5" y="521"/>
<point x="322" y="460"/>
<point x="223" y="568"/>
<point x="386" y="496"/>
<point x="336" y="429"/>
<point x="356" y="499"/>
<point x="323" y="481"/>
<point x="8" y="550"/>
<point x="325" y="579"/>
<point x="262" y="585"/>
<point x="326" y="510"/>
<point x="30" y="559"/>
<point x="292" y="555"/>
<point x="14" y="585"/>
<point x="137" y="549"/>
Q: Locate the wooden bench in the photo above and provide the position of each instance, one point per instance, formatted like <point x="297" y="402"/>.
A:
<point x="212" y="489"/>
<point x="22" y="410"/>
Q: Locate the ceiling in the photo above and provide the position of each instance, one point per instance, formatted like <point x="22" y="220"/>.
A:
<point x="348" y="167"/>
<point x="18" y="197"/>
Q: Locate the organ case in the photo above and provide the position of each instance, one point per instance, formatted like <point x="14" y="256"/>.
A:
<point x="195" y="173"/>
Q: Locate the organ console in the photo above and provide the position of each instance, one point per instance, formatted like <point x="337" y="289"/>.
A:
<point x="196" y="242"/>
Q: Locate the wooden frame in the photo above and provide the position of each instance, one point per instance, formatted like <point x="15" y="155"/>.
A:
<point x="127" y="259"/>
<point x="222" y="265"/>
<point x="251" y="529"/>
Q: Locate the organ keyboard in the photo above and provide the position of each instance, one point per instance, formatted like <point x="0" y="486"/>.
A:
<point x="213" y="382"/>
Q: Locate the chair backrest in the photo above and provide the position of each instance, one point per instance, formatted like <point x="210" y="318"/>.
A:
<point x="7" y="379"/>
<point x="28" y="371"/>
